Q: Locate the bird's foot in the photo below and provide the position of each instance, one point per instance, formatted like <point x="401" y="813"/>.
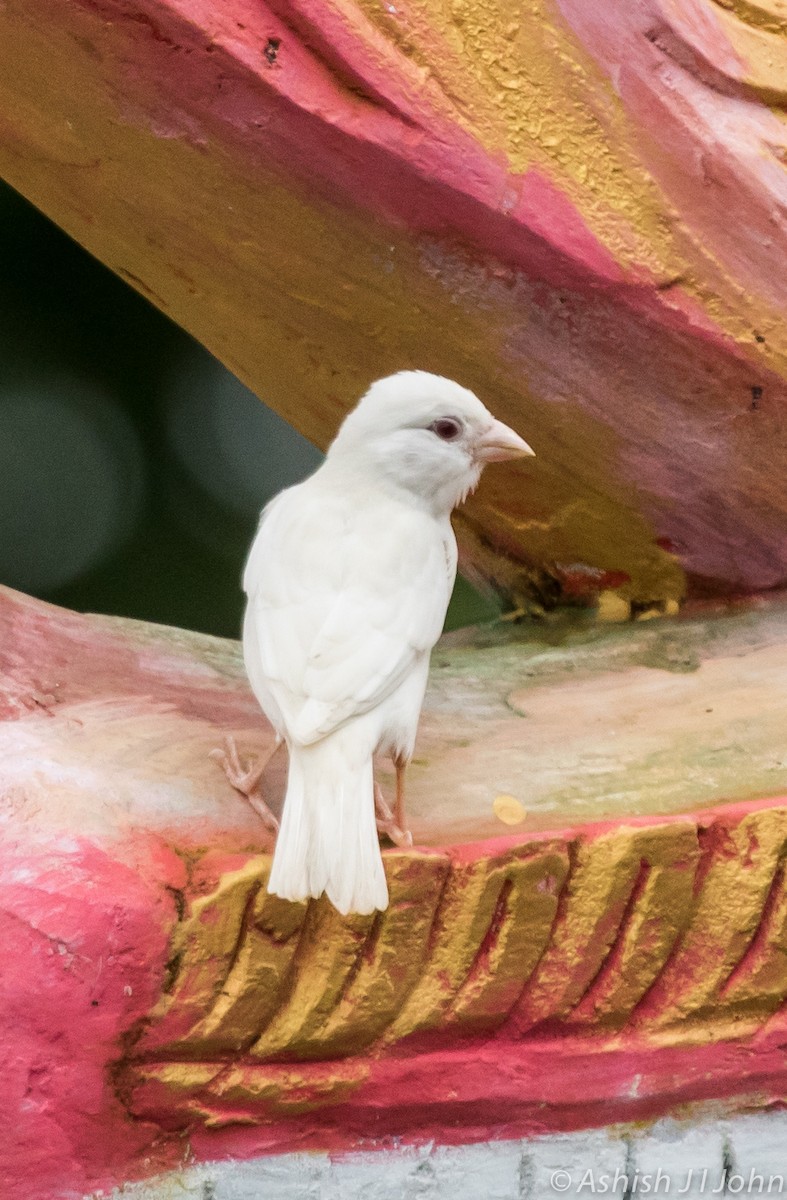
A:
<point x="386" y="822"/>
<point x="245" y="778"/>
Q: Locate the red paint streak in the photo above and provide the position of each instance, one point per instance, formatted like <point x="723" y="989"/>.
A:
<point x="765" y="930"/>
<point x="548" y="212"/>
<point x="578" y="579"/>
<point x="506" y="1089"/>
<point x="665" y="543"/>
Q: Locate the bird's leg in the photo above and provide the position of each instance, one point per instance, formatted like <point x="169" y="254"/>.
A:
<point x="387" y="822"/>
<point x="245" y="778"/>
<point x="401" y="766"/>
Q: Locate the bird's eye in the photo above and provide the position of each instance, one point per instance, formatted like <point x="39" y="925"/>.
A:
<point x="447" y="428"/>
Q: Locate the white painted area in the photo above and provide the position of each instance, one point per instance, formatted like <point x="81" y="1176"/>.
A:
<point x="743" y="1155"/>
<point x="677" y="1151"/>
<point x="104" y="768"/>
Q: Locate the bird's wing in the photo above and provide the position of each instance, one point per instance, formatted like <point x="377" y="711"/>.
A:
<point x="342" y="599"/>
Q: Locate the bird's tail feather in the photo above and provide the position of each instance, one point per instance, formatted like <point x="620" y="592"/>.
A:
<point x="328" y="837"/>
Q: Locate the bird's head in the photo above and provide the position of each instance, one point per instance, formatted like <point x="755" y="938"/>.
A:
<point x="426" y="434"/>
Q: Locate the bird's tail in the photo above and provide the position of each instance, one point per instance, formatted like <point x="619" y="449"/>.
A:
<point x="328" y="837"/>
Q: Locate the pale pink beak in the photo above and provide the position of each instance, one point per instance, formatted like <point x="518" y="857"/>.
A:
<point x="500" y="443"/>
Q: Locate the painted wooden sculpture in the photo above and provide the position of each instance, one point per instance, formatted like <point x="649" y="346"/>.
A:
<point x="578" y="211"/>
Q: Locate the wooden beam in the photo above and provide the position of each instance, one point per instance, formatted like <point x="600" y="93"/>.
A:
<point x="578" y="226"/>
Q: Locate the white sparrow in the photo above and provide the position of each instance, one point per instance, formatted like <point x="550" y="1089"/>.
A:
<point x="348" y="581"/>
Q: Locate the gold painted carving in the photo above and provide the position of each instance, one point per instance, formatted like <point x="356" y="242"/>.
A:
<point x="675" y="931"/>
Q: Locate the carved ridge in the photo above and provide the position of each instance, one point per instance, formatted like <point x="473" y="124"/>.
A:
<point x="596" y="935"/>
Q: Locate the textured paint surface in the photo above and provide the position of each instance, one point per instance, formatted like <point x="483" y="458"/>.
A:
<point x="604" y="961"/>
<point x="578" y="722"/>
<point x="160" y="1008"/>
<point x="699" y="1155"/>
<point x="84" y="940"/>
<point x="574" y="209"/>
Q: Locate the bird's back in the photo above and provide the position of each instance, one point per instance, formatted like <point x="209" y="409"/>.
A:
<point x="344" y="591"/>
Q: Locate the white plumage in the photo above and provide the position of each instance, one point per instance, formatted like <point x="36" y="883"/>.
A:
<point x="348" y="581"/>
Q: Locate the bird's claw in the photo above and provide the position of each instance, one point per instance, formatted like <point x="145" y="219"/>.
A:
<point x="386" y="823"/>
<point x="245" y="778"/>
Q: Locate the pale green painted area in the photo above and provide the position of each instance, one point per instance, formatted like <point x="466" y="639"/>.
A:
<point x="578" y="720"/>
<point x="469" y="607"/>
<point x="582" y="722"/>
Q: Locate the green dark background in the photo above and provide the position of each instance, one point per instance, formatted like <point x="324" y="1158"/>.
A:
<point x="133" y="466"/>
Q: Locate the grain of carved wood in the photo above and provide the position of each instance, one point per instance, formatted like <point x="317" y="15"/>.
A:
<point x="575" y="209"/>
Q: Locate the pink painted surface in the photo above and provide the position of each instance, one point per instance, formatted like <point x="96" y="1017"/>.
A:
<point x="598" y="341"/>
<point x="639" y="356"/>
<point x="521" y="1080"/>
<point x="89" y="880"/>
<point x="643" y="361"/>
<point x="84" y="940"/>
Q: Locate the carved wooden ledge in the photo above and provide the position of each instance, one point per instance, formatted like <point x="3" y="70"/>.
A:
<point x="550" y="976"/>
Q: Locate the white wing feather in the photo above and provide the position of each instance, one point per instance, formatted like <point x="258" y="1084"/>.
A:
<point x="342" y="601"/>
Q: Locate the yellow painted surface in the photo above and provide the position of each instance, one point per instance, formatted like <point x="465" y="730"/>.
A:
<point x="613" y="608"/>
<point x="508" y="809"/>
